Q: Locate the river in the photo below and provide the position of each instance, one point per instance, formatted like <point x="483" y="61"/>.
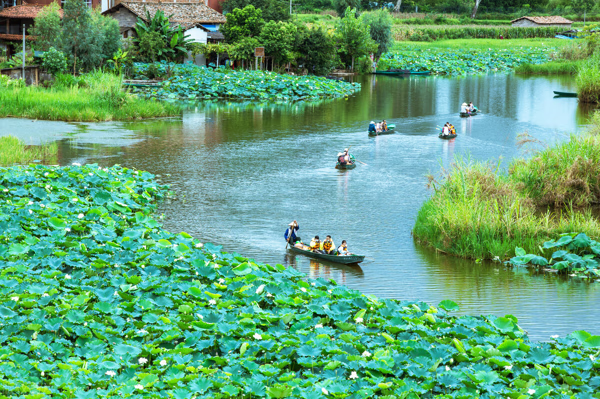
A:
<point x="243" y="171"/>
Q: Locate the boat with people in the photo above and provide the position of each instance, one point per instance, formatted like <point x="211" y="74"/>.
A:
<point x="345" y="160"/>
<point x="467" y="110"/>
<point x="377" y="129"/>
<point x="448" y="131"/>
<point x="343" y="259"/>
<point x="447" y="136"/>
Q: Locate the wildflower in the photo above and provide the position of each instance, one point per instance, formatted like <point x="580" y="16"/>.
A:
<point x="509" y="367"/>
<point x="359" y="319"/>
<point x="80" y="216"/>
<point x="302" y="289"/>
<point x="212" y="302"/>
<point x="67" y="229"/>
<point x="67" y="277"/>
<point x="366" y="354"/>
<point x="163" y="362"/>
<point x="257" y="336"/>
<point x="353" y="375"/>
<point x="111" y="373"/>
<point x="142" y="360"/>
<point x="531" y="391"/>
<point x="324" y="391"/>
<point x="15" y="298"/>
<point x="319" y="326"/>
<point x="139" y="386"/>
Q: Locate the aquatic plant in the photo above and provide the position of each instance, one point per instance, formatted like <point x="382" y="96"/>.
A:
<point x="412" y="33"/>
<point x="572" y="253"/>
<point x="14" y="151"/>
<point x="588" y="81"/>
<point x="464" y="61"/>
<point x="97" y="300"/>
<point x="561" y="67"/>
<point x="191" y="82"/>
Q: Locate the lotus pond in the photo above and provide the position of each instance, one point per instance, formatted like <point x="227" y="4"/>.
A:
<point x="464" y="61"/>
<point x="97" y="300"/>
<point x="190" y="82"/>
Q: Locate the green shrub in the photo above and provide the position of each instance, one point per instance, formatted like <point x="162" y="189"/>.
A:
<point x="54" y="61"/>
<point x="588" y="81"/>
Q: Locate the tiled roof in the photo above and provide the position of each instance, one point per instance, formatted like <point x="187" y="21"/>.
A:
<point x="546" y="20"/>
<point x="186" y="14"/>
<point x="7" y="36"/>
<point x="24" y="11"/>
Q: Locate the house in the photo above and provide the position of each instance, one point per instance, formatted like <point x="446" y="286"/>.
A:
<point x="17" y="13"/>
<point x="198" y="20"/>
<point x="537" y="22"/>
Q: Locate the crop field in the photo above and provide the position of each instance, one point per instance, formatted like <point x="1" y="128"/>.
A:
<point x="97" y="300"/>
<point x="192" y="82"/>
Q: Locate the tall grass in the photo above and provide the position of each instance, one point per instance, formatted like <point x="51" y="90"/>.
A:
<point x="481" y="44"/>
<point x="588" y="81"/>
<point x="97" y="97"/>
<point x="14" y="151"/>
<point x="561" y="67"/>
<point x="479" y="212"/>
<point x="431" y="33"/>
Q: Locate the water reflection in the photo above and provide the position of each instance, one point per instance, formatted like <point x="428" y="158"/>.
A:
<point x="243" y="171"/>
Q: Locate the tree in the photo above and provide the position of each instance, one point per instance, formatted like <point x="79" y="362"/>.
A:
<point x="110" y="35"/>
<point x="157" y="40"/>
<point x="397" y="6"/>
<point x="272" y="10"/>
<point x="353" y="36"/>
<point x="47" y="27"/>
<point x="81" y="39"/>
<point x="316" y="51"/>
<point x="380" y="28"/>
<point x="474" y="12"/>
<point x="581" y="6"/>
<point x="243" y="50"/>
<point x="342" y="5"/>
<point x="242" y="23"/>
<point x="278" y="40"/>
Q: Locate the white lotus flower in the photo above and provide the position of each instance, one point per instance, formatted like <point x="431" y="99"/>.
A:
<point x="212" y="302"/>
<point x="139" y="386"/>
<point x="78" y="164"/>
<point x="319" y="326"/>
<point x="509" y="367"/>
<point x="45" y="295"/>
<point x="221" y="281"/>
<point x="447" y="368"/>
<point x="30" y="211"/>
<point x="142" y="331"/>
<point x="257" y="336"/>
<point x="5" y="190"/>
<point x="313" y="284"/>
<point x="302" y="289"/>
<point x="324" y="391"/>
<point x="80" y="216"/>
<point x="554" y="336"/>
<point x="260" y="289"/>
<point x="142" y="360"/>
<point x="14" y="298"/>
<point x="353" y="375"/>
<point x="592" y="358"/>
<point x="46" y="174"/>
<point x="269" y="295"/>
<point x="531" y="391"/>
<point x="67" y="229"/>
<point x="199" y="245"/>
<point x="43" y="374"/>
<point x="359" y="319"/>
<point x="366" y="354"/>
<point x="75" y="200"/>
<point x="30" y="203"/>
<point x="42" y="205"/>
<point x="67" y="277"/>
<point x="163" y="362"/>
<point x="200" y="316"/>
<point x="111" y="373"/>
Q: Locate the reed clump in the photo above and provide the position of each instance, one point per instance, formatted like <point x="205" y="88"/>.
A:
<point x="96" y="96"/>
<point x="13" y="151"/>
<point x="478" y="211"/>
<point x="588" y="81"/>
<point x="561" y="67"/>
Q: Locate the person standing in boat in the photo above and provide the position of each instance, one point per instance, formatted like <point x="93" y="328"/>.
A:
<point x="290" y="233"/>
<point x="328" y="246"/>
<point x="343" y="249"/>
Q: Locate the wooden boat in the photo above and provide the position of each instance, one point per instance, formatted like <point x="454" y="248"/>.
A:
<point x="391" y="129"/>
<point x="564" y="94"/>
<point x="466" y="114"/>
<point x="447" y="137"/>
<point x="400" y="73"/>
<point x="346" y="260"/>
<point x="346" y="166"/>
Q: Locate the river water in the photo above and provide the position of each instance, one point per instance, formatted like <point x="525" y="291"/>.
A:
<point x="243" y="171"/>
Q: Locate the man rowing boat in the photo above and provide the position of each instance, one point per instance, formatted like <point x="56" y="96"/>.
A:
<point x="344" y="157"/>
<point x="290" y="233"/>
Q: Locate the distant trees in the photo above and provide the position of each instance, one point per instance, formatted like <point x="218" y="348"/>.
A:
<point x="354" y="38"/>
<point x="241" y="23"/>
<point x="278" y="41"/>
<point x="380" y="28"/>
<point x="272" y="10"/>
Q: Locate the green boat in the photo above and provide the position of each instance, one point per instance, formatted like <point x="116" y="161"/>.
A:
<point x="390" y="130"/>
<point x="467" y="114"/>
<point x="350" y="165"/>
<point x="346" y="260"/>
<point x="447" y="137"/>
<point x="400" y="73"/>
<point x="564" y="94"/>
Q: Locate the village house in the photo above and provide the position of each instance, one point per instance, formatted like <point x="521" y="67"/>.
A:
<point x="538" y="22"/>
<point x="196" y="18"/>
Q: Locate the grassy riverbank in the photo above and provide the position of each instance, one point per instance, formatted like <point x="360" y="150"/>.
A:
<point x="94" y="97"/>
<point x="99" y="300"/>
<point x="14" y="151"/>
<point x="477" y="211"/>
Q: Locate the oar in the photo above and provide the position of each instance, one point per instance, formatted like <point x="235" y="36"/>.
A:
<point x="360" y="161"/>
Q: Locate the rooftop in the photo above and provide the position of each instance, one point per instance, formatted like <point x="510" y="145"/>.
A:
<point x="546" y="20"/>
<point x="187" y="14"/>
<point x="23" y="11"/>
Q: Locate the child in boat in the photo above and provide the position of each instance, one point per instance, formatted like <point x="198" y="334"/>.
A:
<point x="315" y="245"/>
<point x="343" y="249"/>
<point x="327" y="246"/>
